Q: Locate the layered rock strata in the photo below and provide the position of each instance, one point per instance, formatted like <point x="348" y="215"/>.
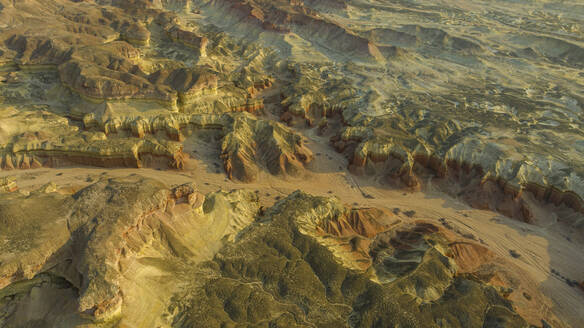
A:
<point x="518" y="130"/>
<point x="42" y="139"/>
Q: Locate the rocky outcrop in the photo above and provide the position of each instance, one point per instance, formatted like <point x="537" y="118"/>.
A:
<point x="85" y="150"/>
<point x="281" y="259"/>
<point x="106" y="243"/>
<point x="42" y="139"/>
<point x="189" y="83"/>
<point x="98" y="84"/>
<point x="172" y="124"/>
<point x="284" y="17"/>
<point x="91" y="62"/>
<point x="469" y="257"/>
<point x="482" y="177"/>
<point x="252" y="143"/>
<point x="361" y="222"/>
<point x="249" y="144"/>
<point x="188" y="38"/>
<point x="137" y="34"/>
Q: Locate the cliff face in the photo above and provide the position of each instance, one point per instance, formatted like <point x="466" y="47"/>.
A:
<point x="173" y="259"/>
<point x="485" y="178"/>
<point x="34" y="139"/>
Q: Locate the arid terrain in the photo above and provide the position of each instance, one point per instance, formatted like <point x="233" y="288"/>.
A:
<point x="291" y="163"/>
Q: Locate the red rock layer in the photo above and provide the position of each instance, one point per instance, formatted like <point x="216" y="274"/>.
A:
<point x="470" y="181"/>
<point x="59" y="159"/>
<point x="362" y="222"/>
<point x="469" y="256"/>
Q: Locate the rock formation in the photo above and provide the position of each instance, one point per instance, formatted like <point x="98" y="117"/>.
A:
<point x="471" y="102"/>
<point x="252" y="142"/>
<point x="511" y="130"/>
<point x="286" y="263"/>
<point x="38" y="138"/>
<point x="173" y="260"/>
<point x="93" y="61"/>
<point x="149" y="231"/>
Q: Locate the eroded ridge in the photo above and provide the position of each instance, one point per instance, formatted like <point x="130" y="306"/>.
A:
<point x="517" y="128"/>
<point x="220" y="259"/>
<point x="102" y="79"/>
<point x="416" y="91"/>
